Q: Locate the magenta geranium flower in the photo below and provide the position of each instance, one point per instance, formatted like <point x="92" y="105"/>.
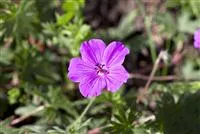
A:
<point x="99" y="67"/>
<point x="197" y="39"/>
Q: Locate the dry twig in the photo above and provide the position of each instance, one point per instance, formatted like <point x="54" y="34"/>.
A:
<point x="22" y="118"/>
<point x="151" y="77"/>
<point x="155" y="78"/>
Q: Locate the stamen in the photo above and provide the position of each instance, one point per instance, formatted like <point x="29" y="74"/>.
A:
<point x="101" y="70"/>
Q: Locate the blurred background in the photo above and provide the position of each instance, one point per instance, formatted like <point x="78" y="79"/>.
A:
<point x="39" y="37"/>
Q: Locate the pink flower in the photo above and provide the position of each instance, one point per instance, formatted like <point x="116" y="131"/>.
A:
<point x="99" y="67"/>
<point x="197" y="39"/>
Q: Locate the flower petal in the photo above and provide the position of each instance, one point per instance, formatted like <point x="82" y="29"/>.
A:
<point x="116" y="77"/>
<point x="79" y="69"/>
<point x="92" y="86"/>
<point x="197" y="44"/>
<point x="197" y="39"/>
<point x="197" y="35"/>
<point x="115" y="53"/>
<point x="92" y="51"/>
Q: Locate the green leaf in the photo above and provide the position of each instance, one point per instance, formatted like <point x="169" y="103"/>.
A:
<point x="5" y="129"/>
<point x="25" y="109"/>
<point x="181" y="117"/>
<point x="186" y="25"/>
<point x="125" y="27"/>
<point x="64" y="19"/>
<point x="189" y="71"/>
<point x="13" y="95"/>
<point x="6" y="56"/>
<point x="167" y="24"/>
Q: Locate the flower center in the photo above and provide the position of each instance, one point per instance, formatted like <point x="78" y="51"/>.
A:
<point x="101" y="69"/>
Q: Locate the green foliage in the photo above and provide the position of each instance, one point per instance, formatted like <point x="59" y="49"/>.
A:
<point x="66" y="36"/>
<point x="176" y="29"/>
<point x="69" y="31"/>
<point x="123" y="122"/>
<point x="189" y="5"/>
<point x="6" y="56"/>
<point x="3" y="103"/>
<point x="13" y="95"/>
<point x="124" y="28"/>
<point x="185" y="20"/>
<point x="4" y="128"/>
<point x="124" y="32"/>
<point x="71" y="9"/>
<point x="190" y="69"/>
<point x="39" y="37"/>
<point x="33" y="53"/>
<point x="176" y="88"/>
<point x="14" y="15"/>
<point x="181" y="117"/>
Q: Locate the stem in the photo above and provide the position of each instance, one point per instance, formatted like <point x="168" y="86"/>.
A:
<point x="147" y="23"/>
<point x="78" y="120"/>
<point x="151" y="77"/>
<point x="86" y="109"/>
<point x="155" y="78"/>
<point x="155" y="67"/>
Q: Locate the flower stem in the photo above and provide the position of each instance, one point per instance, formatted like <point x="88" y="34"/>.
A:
<point x="79" y="119"/>
<point x="86" y="109"/>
